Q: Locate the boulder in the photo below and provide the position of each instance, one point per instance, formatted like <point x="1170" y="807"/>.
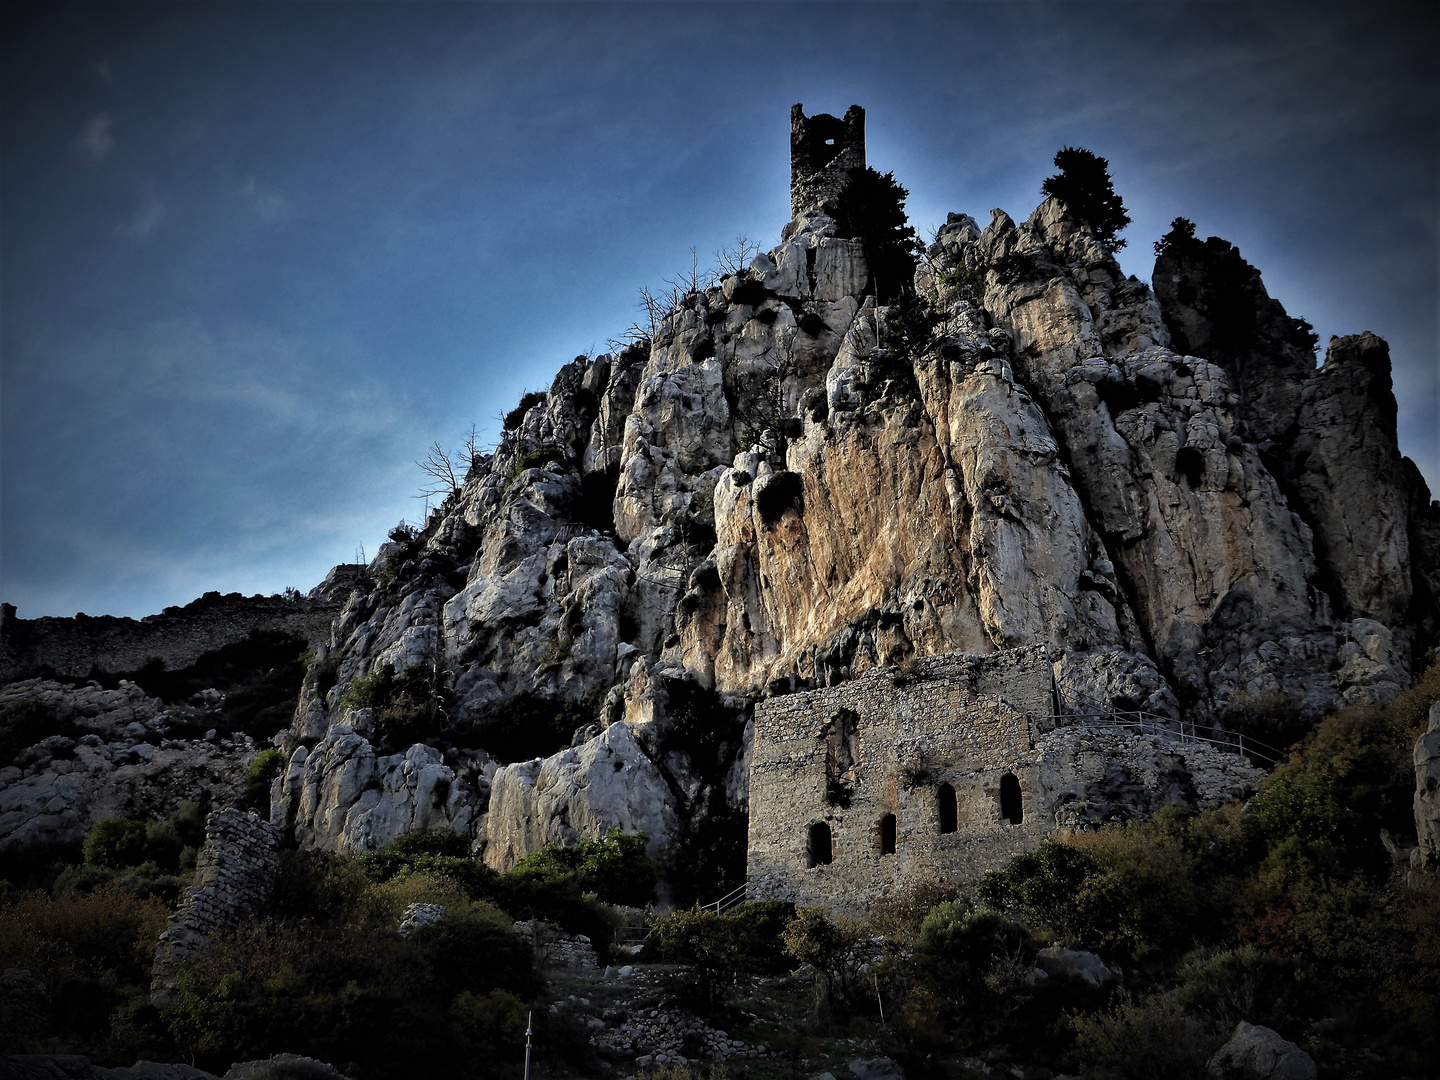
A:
<point x="284" y="1067"/>
<point x="1073" y="965"/>
<point x="1258" y="1053"/>
<point x="579" y="793"/>
<point x="881" y="1068"/>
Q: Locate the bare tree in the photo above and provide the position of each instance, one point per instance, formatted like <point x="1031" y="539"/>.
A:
<point x="737" y="259"/>
<point x="439" y="467"/>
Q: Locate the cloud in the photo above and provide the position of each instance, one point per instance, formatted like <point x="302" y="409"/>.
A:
<point x="146" y="217"/>
<point x="95" y="140"/>
<point x="268" y="204"/>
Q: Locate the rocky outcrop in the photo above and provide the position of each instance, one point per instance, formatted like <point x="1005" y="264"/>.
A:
<point x="1097" y="775"/>
<point x="780" y="483"/>
<point x="1257" y="1053"/>
<point x="75" y="1067"/>
<point x="74" y="647"/>
<point x="234" y="877"/>
<point x="1426" y="856"/>
<point x="342" y="796"/>
<point x="1328" y="435"/>
<point x="581" y="793"/>
<point x="115" y="757"/>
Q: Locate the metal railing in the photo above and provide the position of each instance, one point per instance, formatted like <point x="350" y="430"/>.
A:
<point x="734" y="898"/>
<point x="1162" y="726"/>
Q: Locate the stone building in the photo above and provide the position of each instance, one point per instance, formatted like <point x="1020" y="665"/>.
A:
<point x="943" y="770"/>
<point x="824" y="152"/>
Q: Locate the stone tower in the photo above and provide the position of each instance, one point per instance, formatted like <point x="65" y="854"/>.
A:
<point x="824" y="151"/>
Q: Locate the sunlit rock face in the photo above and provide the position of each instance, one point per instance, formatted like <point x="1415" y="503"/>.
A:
<point x="780" y="483"/>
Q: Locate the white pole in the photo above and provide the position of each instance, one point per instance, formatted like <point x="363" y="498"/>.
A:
<point x="529" y="1024"/>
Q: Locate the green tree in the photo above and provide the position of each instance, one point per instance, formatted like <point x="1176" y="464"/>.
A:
<point x="871" y="209"/>
<point x="1083" y="185"/>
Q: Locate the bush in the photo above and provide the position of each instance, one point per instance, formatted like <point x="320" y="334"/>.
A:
<point x="516" y="416"/>
<point x="832" y="947"/>
<point x="708" y="944"/>
<point x="1240" y="984"/>
<point x="785" y="491"/>
<point x="973" y="955"/>
<point x="1318" y="813"/>
<point x="535" y="459"/>
<point x="114" y="843"/>
<point x="871" y="208"/>
<point x="263" y="770"/>
<point x="530" y="726"/>
<point x="1083" y="185"/>
<point x="1145" y="1039"/>
<point x="24" y="724"/>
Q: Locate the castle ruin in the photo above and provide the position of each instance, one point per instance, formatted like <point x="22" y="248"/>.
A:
<point x="824" y="152"/>
<point x="943" y="770"/>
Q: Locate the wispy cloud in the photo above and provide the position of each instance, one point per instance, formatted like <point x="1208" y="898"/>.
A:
<point x="146" y="217"/>
<point x="268" y="204"/>
<point x="96" y="139"/>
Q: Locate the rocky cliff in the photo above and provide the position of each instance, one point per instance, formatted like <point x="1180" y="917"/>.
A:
<point x="790" y="482"/>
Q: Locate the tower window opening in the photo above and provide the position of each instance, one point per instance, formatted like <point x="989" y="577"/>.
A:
<point x="948" y="809"/>
<point x="817" y="850"/>
<point x="1011" y="808"/>
<point x="887" y="835"/>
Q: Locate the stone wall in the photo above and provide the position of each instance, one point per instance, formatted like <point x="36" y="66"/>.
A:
<point x="824" y="151"/>
<point x="962" y="751"/>
<point x="71" y="647"/>
<point x="234" y="876"/>
<point x="953" y="719"/>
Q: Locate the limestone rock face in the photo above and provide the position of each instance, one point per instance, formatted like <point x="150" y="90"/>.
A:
<point x="781" y="483"/>
<point x="341" y="796"/>
<point x="580" y="793"/>
<point x="117" y="760"/>
<point x="1427" y="795"/>
<point x="1328" y="435"/>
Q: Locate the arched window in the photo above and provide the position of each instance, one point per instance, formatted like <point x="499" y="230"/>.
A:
<point x="948" y="809"/>
<point x="1010" y="805"/>
<point x="817" y="850"/>
<point x="887" y="835"/>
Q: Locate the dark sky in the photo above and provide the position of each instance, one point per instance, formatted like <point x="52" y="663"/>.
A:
<point x="256" y="257"/>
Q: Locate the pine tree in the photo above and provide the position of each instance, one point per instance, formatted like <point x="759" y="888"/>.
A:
<point x="1083" y="185"/>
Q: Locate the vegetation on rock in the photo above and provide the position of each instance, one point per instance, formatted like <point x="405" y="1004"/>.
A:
<point x="1083" y="184"/>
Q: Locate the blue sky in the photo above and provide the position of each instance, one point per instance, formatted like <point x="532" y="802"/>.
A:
<point x="257" y="257"/>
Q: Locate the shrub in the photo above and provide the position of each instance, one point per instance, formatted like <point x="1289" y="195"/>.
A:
<point x="371" y="691"/>
<point x="530" y="726"/>
<point x="972" y="953"/>
<point x="263" y="770"/>
<point x="516" y="416"/>
<point x="1083" y="185"/>
<point x="535" y="459"/>
<point x="1144" y="1039"/>
<point x="24" y="724"/>
<point x="1046" y="888"/>
<point x="871" y="208"/>
<point x="785" y="491"/>
<point x="833" y="949"/>
<point x="1240" y="984"/>
<point x="1318" y="812"/>
<point x="115" y="843"/>
<point x="83" y="943"/>
<point x="616" y="868"/>
<point x="708" y="944"/>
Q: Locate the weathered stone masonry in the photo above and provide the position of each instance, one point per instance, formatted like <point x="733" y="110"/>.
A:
<point x="824" y="152"/>
<point x="234" y="876"/>
<point x="942" y="772"/>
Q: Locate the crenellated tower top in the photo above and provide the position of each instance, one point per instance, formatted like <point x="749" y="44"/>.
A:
<point x="824" y="152"/>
